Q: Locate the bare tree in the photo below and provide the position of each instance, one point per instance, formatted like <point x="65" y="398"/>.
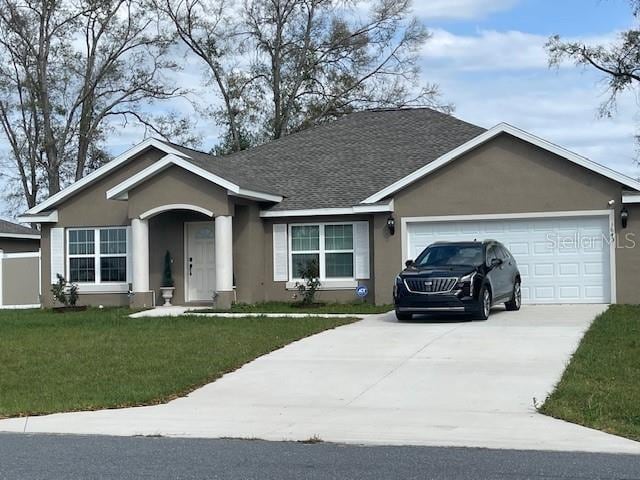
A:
<point x="317" y="59"/>
<point x="618" y="61"/>
<point x="282" y="65"/>
<point x="66" y="68"/>
<point x="209" y="29"/>
<point x="21" y="128"/>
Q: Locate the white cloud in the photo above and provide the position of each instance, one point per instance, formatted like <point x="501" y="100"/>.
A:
<point x="460" y="9"/>
<point x="488" y="50"/>
<point x="493" y="50"/>
<point x="497" y="77"/>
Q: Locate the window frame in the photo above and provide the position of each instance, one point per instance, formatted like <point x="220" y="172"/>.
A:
<point x="97" y="256"/>
<point x="321" y="252"/>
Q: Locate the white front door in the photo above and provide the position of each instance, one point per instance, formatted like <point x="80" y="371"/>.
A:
<point x="200" y="261"/>
<point x="561" y="260"/>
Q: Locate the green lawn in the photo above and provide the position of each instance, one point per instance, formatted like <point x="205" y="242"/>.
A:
<point x="51" y="362"/>
<point x="321" y="308"/>
<point x="601" y="386"/>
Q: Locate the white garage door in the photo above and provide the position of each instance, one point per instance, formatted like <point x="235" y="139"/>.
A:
<point x="561" y="260"/>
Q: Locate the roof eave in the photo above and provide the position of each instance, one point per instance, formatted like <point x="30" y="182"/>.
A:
<point x="319" y="212"/>
<point x="22" y="236"/>
<point x="44" y="217"/>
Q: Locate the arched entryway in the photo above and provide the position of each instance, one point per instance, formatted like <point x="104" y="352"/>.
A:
<point x="200" y="245"/>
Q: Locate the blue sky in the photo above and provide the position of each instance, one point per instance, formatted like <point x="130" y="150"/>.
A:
<point x="488" y="58"/>
<point x="546" y="17"/>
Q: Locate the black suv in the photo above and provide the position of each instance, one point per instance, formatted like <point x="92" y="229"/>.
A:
<point x="465" y="277"/>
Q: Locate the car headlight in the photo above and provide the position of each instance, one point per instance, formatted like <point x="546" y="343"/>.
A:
<point x="398" y="280"/>
<point x="467" y="279"/>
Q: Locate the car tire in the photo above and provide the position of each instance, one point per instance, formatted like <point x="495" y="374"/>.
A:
<point x="403" y="316"/>
<point x="484" y="304"/>
<point x="516" y="299"/>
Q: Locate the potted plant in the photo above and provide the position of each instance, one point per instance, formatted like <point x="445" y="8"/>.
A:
<point x="167" y="287"/>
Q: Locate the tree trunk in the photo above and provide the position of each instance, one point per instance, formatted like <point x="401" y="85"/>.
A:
<point x="84" y="139"/>
<point x="53" y="179"/>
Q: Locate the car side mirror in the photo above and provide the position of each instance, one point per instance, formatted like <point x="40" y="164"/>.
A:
<point x="409" y="263"/>
<point x="496" y="262"/>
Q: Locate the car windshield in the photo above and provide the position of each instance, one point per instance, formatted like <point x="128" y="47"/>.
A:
<point x="448" y="255"/>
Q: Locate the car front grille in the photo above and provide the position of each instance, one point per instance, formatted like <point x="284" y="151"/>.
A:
<point x="430" y="285"/>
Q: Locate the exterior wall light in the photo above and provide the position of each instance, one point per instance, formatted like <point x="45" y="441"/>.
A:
<point x="391" y="225"/>
<point x="624" y="217"/>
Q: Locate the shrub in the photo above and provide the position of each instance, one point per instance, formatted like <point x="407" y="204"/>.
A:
<point x="309" y="274"/>
<point x="65" y="292"/>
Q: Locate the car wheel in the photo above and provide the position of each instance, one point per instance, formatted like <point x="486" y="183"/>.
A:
<point x="515" y="302"/>
<point x="403" y="316"/>
<point x="484" y="304"/>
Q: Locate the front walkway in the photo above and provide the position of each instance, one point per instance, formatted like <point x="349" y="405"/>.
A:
<point x="176" y="311"/>
<point x="382" y="382"/>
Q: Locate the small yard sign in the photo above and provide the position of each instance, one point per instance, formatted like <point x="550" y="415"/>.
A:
<point x="362" y="291"/>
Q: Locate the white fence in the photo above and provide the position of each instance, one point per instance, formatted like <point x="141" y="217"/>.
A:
<point x="20" y="280"/>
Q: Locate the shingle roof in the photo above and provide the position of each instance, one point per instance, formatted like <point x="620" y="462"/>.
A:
<point x="220" y="166"/>
<point x="15" y="229"/>
<point x="342" y="163"/>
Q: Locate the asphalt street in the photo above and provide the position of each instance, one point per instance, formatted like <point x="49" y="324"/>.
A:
<point x="69" y="457"/>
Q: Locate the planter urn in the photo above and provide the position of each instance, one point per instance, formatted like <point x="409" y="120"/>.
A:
<point x="167" y="295"/>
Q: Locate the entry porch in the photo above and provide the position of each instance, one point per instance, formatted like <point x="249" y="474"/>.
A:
<point x="200" y="245"/>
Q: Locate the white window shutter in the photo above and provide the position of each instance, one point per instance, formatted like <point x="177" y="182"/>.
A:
<point x="280" y="253"/>
<point x="57" y="253"/>
<point x="361" y="249"/>
<point x="129" y="257"/>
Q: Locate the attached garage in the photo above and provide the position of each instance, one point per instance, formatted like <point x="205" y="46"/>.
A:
<point x="564" y="257"/>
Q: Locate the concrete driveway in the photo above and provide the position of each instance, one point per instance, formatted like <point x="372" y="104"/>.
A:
<point x="436" y="382"/>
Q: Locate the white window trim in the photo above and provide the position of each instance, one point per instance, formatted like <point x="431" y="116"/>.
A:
<point x="98" y="286"/>
<point x="333" y="282"/>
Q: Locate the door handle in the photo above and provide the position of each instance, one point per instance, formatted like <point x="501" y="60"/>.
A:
<point x="190" y="269"/>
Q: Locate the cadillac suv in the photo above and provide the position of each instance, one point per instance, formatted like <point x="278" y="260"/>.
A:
<point x="466" y="277"/>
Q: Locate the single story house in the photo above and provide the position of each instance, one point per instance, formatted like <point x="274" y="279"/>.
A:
<point x="16" y="238"/>
<point x="360" y="196"/>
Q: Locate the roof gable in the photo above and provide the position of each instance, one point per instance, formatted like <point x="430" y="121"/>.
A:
<point x="120" y="191"/>
<point x="100" y="172"/>
<point x="484" y="138"/>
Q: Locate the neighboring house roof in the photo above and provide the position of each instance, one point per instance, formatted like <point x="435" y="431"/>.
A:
<point x="13" y="230"/>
